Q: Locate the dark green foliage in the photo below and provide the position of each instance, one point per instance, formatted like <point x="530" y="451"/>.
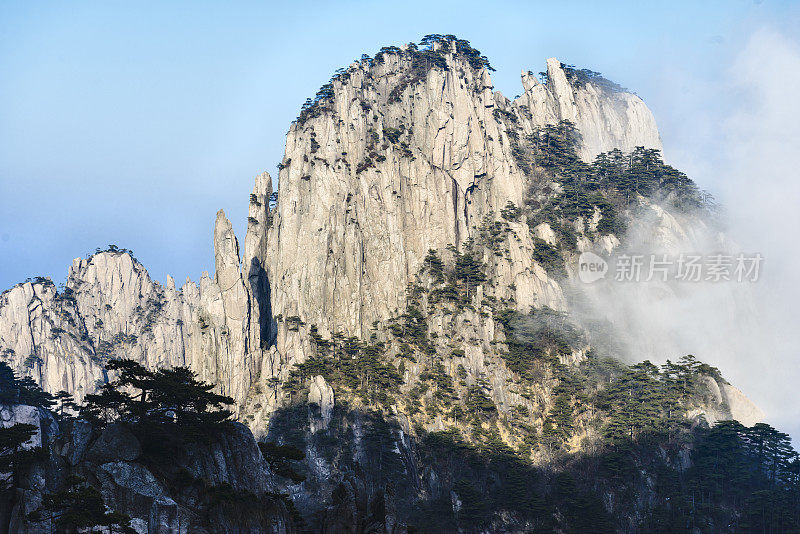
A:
<point x="647" y="399"/>
<point x="320" y="103"/>
<point x="494" y="234"/>
<point x="24" y="390"/>
<point x="422" y="57"/>
<point x="283" y="460"/>
<point x="114" y="249"/>
<point x="422" y="61"/>
<point x="580" y="77"/>
<point x="548" y="257"/>
<point x="293" y="323"/>
<point x="470" y="271"/>
<point x="453" y="284"/>
<point x="375" y="461"/>
<point x="474" y="507"/>
<point x="433" y="265"/>
<point x="381" y="446"/>
<point x="610" y="184"/>
<point x="166" y="408"/>
<point x="80" y="508"/>
<point x="636" y="402"/>
<point x="411" y="327"/>
<point x="738" y="480"/>
<point x="392" y="134"/>
<point x="245" y="510"/>
<point x="479" y="404"/>
<point x="464" y="49"/>
<point x="555" y="147"/>
<point x="610" y="222"/>
<point x="490" y="480"/>
<point x="535" y="338"/>
<point x="348" y="363"/>
<point x="66" y="404"/>
<point x="16" y="453"/>
<point x="558" y="425"/>
<point x="510" y="212"/>
<point x="443" y="392"/>
<point x="642" y="172"/>
<point x="583" y="510"/>
<point x="741" y="480"/>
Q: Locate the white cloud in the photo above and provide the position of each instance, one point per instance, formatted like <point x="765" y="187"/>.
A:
<point x="761" y="190"/>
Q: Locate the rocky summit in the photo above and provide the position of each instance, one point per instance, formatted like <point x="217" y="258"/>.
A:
<point x="402" y="338"/>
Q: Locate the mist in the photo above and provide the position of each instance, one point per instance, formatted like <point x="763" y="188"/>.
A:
<point x="746" y="329"/>
<point x="762" y="192"/>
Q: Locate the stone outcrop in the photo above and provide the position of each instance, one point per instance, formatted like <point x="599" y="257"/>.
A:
<point x="607" y="118"/>
<point x="115" y="443"/>
<point x="153" y="499"/>
<point x="320" y="393"/>
<point x="740" y="407"/>
<point x="391" y="169"/>
<point x="43" y="422"/>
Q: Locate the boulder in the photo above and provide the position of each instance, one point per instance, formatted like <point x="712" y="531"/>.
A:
<point x="77" y="441"/>
<point x="115" y="443"/>
<point x="132" y="488"/>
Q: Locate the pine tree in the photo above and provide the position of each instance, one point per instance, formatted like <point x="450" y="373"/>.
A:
<point x="80" y="508"/>
<point x="469" y="270"/>
<point x="434" y="266"/>
<point x="165" y="408"/>
<point x="24" y="390"/>
<point x="66" y="403"/>
<point x="16" y="452"/>
<point x="283" y="460"/>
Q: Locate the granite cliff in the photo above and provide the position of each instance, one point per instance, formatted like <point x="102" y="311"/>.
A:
<point x="406" y="306"/>
<point x="400" y="154"/>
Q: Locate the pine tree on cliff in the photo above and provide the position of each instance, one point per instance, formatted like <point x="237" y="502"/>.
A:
<point x="165" y="408"/>
<point x="24" y="390"/>
<point x="433" y="264"/>
<point x="79" y="508"/>
<point x="15" y="454"/>
<point x="469" y="270"/>
<point x="66" y="403"/>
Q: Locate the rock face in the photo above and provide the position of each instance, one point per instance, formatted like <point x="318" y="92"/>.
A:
<point x="44" y="423"/>
<point x="404" y="153"/>
<point x="110" y="308"/>
<point x="108" y="459"/>
<point x="391" y="169"/>
<point x="336" y="335"/>
<point x="115" y="443"/>
<point x="741" y="408"/>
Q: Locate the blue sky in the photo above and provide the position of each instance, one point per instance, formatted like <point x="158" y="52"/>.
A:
<point x="132" y="123"/>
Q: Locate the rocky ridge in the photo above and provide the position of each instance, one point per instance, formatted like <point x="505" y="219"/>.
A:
<point x="403" y="153"/>
<point x="111" y="308"/>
